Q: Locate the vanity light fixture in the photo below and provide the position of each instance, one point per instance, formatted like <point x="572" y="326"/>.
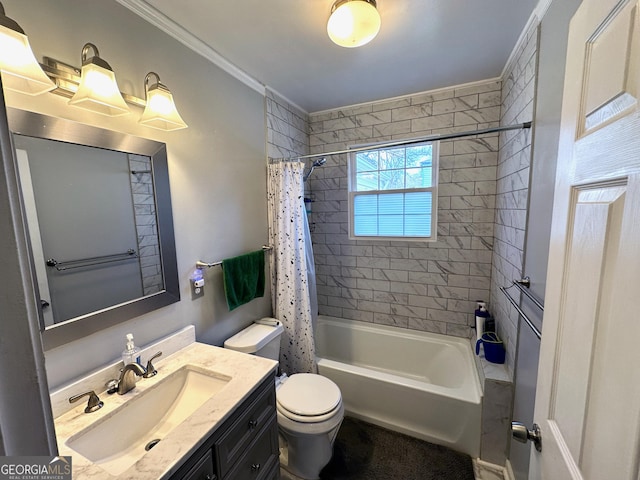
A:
<point x="353" y="23"/>
<point x="98" y="90"/>
<point x="92" y="87"/>
<point x="160" y="111"/>
<point x="18" y="65"/>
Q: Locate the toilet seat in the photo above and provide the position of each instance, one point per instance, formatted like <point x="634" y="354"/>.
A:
<point x="308" y="398"/>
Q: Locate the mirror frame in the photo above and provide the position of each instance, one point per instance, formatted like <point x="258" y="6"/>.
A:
<point x="52" y="128"/>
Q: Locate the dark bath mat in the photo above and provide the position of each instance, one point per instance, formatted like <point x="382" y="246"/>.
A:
<point x="367" y="452"/>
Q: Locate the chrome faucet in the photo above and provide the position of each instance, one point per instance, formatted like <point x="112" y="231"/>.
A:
<point x="93" y="404"/>
<point x="127" y="380"/>
<point x="151" y="371"/>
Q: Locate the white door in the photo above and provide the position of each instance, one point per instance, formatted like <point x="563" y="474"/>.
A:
<point x="31" y="213"/>
<point x="588" y="391"/>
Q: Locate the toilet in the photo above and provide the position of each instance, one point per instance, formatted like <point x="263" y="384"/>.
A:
<point x="309" y="406"/>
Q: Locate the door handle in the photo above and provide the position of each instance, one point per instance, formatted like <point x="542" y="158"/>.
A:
<point x="522" y="434"/>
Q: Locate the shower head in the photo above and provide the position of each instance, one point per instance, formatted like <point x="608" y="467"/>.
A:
<point x="320" y="162"/>
<point x="317" y="163"/>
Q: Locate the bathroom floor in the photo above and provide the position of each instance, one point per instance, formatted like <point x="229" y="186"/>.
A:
<point x="367" y="452"/>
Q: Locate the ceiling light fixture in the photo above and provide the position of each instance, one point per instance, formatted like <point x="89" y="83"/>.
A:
<point x="18" y="65"/>
<point x="160" y="111"/>
<point x="98" y="90"/>
<point x="353" y="23"/>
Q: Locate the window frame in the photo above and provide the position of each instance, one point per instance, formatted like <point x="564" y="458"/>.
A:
<point x="353" y="193"/>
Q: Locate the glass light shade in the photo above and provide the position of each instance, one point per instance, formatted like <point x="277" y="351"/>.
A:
<point x="98" y="91"/>
<point x="20" y="69"/>
<point x="161" y="111"/>
<point x="353" y="23"/>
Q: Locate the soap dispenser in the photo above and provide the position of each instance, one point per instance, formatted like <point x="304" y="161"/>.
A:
<point x="482" y="315"/>
<point x="131" y="354"/>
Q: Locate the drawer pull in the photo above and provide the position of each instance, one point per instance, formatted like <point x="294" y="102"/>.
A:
<point x="253" y="424"/>
<point x="255" y="467"/>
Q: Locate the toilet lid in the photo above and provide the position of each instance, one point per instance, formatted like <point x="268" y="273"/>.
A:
<point x="255" y="336"/>
<point x="308" y="394"/>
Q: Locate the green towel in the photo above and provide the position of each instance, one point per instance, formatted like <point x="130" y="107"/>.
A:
<point x="243" y="278"/>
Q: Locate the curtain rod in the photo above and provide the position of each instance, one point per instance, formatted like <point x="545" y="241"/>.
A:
<point x="428" y="138"/>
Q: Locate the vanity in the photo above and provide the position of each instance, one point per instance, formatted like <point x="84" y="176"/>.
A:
<point x="244" y="447"/>
<point x="209" y="413"/>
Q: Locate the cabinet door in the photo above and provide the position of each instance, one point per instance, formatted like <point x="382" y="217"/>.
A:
<point x="244" y="430"/>
<point x="202" y="470"/>
<point x="259" y="461"/>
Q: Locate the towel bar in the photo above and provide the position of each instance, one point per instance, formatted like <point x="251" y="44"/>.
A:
<point x="523" y="286"/>
<point x="90" y="261"/>
<point x="524" y="316"/>
<point x="200" y="264"/>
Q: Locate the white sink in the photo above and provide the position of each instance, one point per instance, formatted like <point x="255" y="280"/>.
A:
<point x="118" y="441"/>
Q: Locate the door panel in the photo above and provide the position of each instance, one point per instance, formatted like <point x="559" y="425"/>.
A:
<point x="588" y="393"/>
<point x="610" y="88"/>
<point x="583" y="274"/>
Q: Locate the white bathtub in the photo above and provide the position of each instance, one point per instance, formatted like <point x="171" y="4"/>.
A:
<point x="421" y="384"/>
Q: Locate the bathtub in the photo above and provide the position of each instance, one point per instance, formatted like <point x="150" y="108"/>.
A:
<point x="420" y="384"/>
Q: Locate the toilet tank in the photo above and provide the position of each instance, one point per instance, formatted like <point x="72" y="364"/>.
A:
<point x="261" y="338"/>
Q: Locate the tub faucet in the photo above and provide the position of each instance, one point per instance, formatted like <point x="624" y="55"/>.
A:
<point x="127" y="380"/>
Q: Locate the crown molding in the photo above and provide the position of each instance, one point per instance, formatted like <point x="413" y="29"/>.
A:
<point x="409" y="95"/>
<point x="534" y="20"/>
<point x="164" y="23"/>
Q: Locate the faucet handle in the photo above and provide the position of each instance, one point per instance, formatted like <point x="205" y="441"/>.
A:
<point x="150" y="371"/>
<point x="93" y="404"/>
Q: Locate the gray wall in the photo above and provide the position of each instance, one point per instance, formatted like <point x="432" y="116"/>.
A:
<point x="25" y="409"/>
<point x="551" y="59"/>
<point x="216" y="166"/>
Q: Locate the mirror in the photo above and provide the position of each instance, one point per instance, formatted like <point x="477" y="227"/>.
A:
<point x="98" y="209"/>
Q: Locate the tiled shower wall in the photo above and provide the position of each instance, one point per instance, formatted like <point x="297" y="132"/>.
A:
<point x="518" y="90"/>
<point x="430" y="286"/>
<point x="287" y="128"/>
<point x="146" y="225"/>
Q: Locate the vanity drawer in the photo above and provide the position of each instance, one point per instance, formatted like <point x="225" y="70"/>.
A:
<point x="235" y="441"/>
<point x="259" y="462"/>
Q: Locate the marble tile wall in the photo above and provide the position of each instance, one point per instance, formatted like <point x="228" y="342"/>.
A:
<point x="146" y="224"/>
<point x="512" y="189"/>
<point x="430" y="286"/>
<point x="287" y="128"/>
<point x="497" y="400"/>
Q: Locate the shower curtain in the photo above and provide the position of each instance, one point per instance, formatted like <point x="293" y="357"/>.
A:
<point x="289" y="273"/>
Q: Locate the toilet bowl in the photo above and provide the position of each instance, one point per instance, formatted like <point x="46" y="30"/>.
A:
<point x="309" y="406"/>
<point x="310" y="412"/>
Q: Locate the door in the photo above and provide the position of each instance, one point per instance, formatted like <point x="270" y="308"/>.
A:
<point x="588" y="390"/>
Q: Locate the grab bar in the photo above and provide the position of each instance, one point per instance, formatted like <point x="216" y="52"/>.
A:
<point x="524" y="316"/>
<point x="200" y="264"/>
<point x="82" y="262"/>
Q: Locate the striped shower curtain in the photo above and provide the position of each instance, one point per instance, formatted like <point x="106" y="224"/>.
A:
<point x="290" y="297"/>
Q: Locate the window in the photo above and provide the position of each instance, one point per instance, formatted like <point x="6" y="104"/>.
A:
<point x="393" y="193"/>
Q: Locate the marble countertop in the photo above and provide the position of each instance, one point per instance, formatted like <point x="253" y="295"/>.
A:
<point x="246" y="372"/>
